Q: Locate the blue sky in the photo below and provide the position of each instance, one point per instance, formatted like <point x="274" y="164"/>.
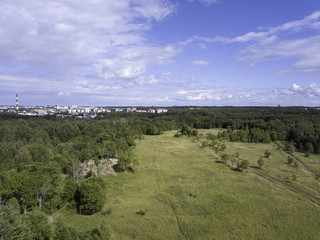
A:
<point x="160" y="52"/>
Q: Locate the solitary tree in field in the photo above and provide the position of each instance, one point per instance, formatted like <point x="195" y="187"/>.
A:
<point x="267" y="153"/>
<point x="244" y="164"/>
<point x="290" y="160"/>
<point x="224" y="158"/>
<point x="289" y="147"/>
<point x="260" y="163"/>
<point x="204" y="144"/>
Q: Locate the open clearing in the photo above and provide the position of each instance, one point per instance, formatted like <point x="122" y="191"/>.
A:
<point x="185" y="194"/>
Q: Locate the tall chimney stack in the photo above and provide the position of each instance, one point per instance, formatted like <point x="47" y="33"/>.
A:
<point x="17" y="103"/>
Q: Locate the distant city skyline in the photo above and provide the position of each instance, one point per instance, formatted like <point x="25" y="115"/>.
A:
<point x="160" y="53"/>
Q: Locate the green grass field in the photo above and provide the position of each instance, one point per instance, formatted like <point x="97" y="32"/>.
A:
<point x="185" y="194"/>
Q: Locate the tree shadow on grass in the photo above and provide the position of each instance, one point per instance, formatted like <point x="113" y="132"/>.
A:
<point x="236" y="169"/>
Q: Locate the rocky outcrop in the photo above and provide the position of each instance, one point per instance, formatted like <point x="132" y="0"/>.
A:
<point x="87" y="167"/>
<point x="105" y="167"/>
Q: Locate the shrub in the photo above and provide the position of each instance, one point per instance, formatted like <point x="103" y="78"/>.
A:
<point x="243" y="165"/>
<point x="260" y="163"/>
<point x="267" y="153"/>
<point x="123" y="164"/>
<point x="141" y="212"/>
<point x="290" y="160"/>
<point x="294" y="177"/>
<point x="223" y="147"/>
<point x="224" y="158"/>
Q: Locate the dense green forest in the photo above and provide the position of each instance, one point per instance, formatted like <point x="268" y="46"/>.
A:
<point x="39" y="155"/>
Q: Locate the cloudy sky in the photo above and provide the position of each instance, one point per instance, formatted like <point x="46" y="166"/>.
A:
<point x="160" y="52"/>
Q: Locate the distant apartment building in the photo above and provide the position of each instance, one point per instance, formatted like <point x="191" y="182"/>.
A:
<point x="161" y="110"/>
<point x="131" y="110"/>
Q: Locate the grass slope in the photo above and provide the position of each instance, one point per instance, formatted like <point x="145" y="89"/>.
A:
<point x="185" y="194"/>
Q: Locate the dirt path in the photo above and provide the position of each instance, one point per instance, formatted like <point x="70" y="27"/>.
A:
<point x="301" y="165"/>
<point x="287" y="186"/>
<point x="209" y="150"/>
<point x="174" y="211"/>
<point x="178" y="222"/>
<point x="275" y="181"/>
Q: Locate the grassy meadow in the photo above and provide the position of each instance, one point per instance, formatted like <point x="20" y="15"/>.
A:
<point x="180" y="191"/>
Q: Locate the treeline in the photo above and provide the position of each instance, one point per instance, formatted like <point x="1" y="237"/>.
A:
<point x="300" y="126"/>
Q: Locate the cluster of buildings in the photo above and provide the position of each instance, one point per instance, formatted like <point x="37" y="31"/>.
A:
<point x="73" y="111"/>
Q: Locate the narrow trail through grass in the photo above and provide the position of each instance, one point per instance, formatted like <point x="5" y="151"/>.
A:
<point x="298" y="160"/>
<point x="291" y="188"/>
<point x="156" y="172"/>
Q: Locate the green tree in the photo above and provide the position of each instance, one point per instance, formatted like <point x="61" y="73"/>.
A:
<point x="294" y="177"/>
<point x="204" y="144"/>
<point x="63" y="232"/>
<point x="101" y="233"/>
<point x="244" y="164"/>
<point x="75" y="169"/>
<point x="260" y="162"/>
<point x="224" y="158"/>
<point x="223" y="147"/>
<point x="290" y="160"/>
<point x="123" y="164"/>
<point x="13" y="226"/>
<point x="40" y="227"/>
<point x="309" y="147"/>
<point x="23" y="157"/>
<point x="90" y="196"/>
<point x="267" y="154"/>
<point x="69" y="190"/>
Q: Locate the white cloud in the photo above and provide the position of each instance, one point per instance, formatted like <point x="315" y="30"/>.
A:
<point x="206" y="2"/>
<point x="64" y="94"/>
<point x="203" y="46"/>
<point x="308" y="91"/>
<point x="280" y="42"/>
<point x="69" y="41"/>
<point x="269" y="34"/>
<point x="306" y="51"/>
<point x="200" y="63"/>
<point x="296" y="87"/>
<point x="296" y="95"/>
